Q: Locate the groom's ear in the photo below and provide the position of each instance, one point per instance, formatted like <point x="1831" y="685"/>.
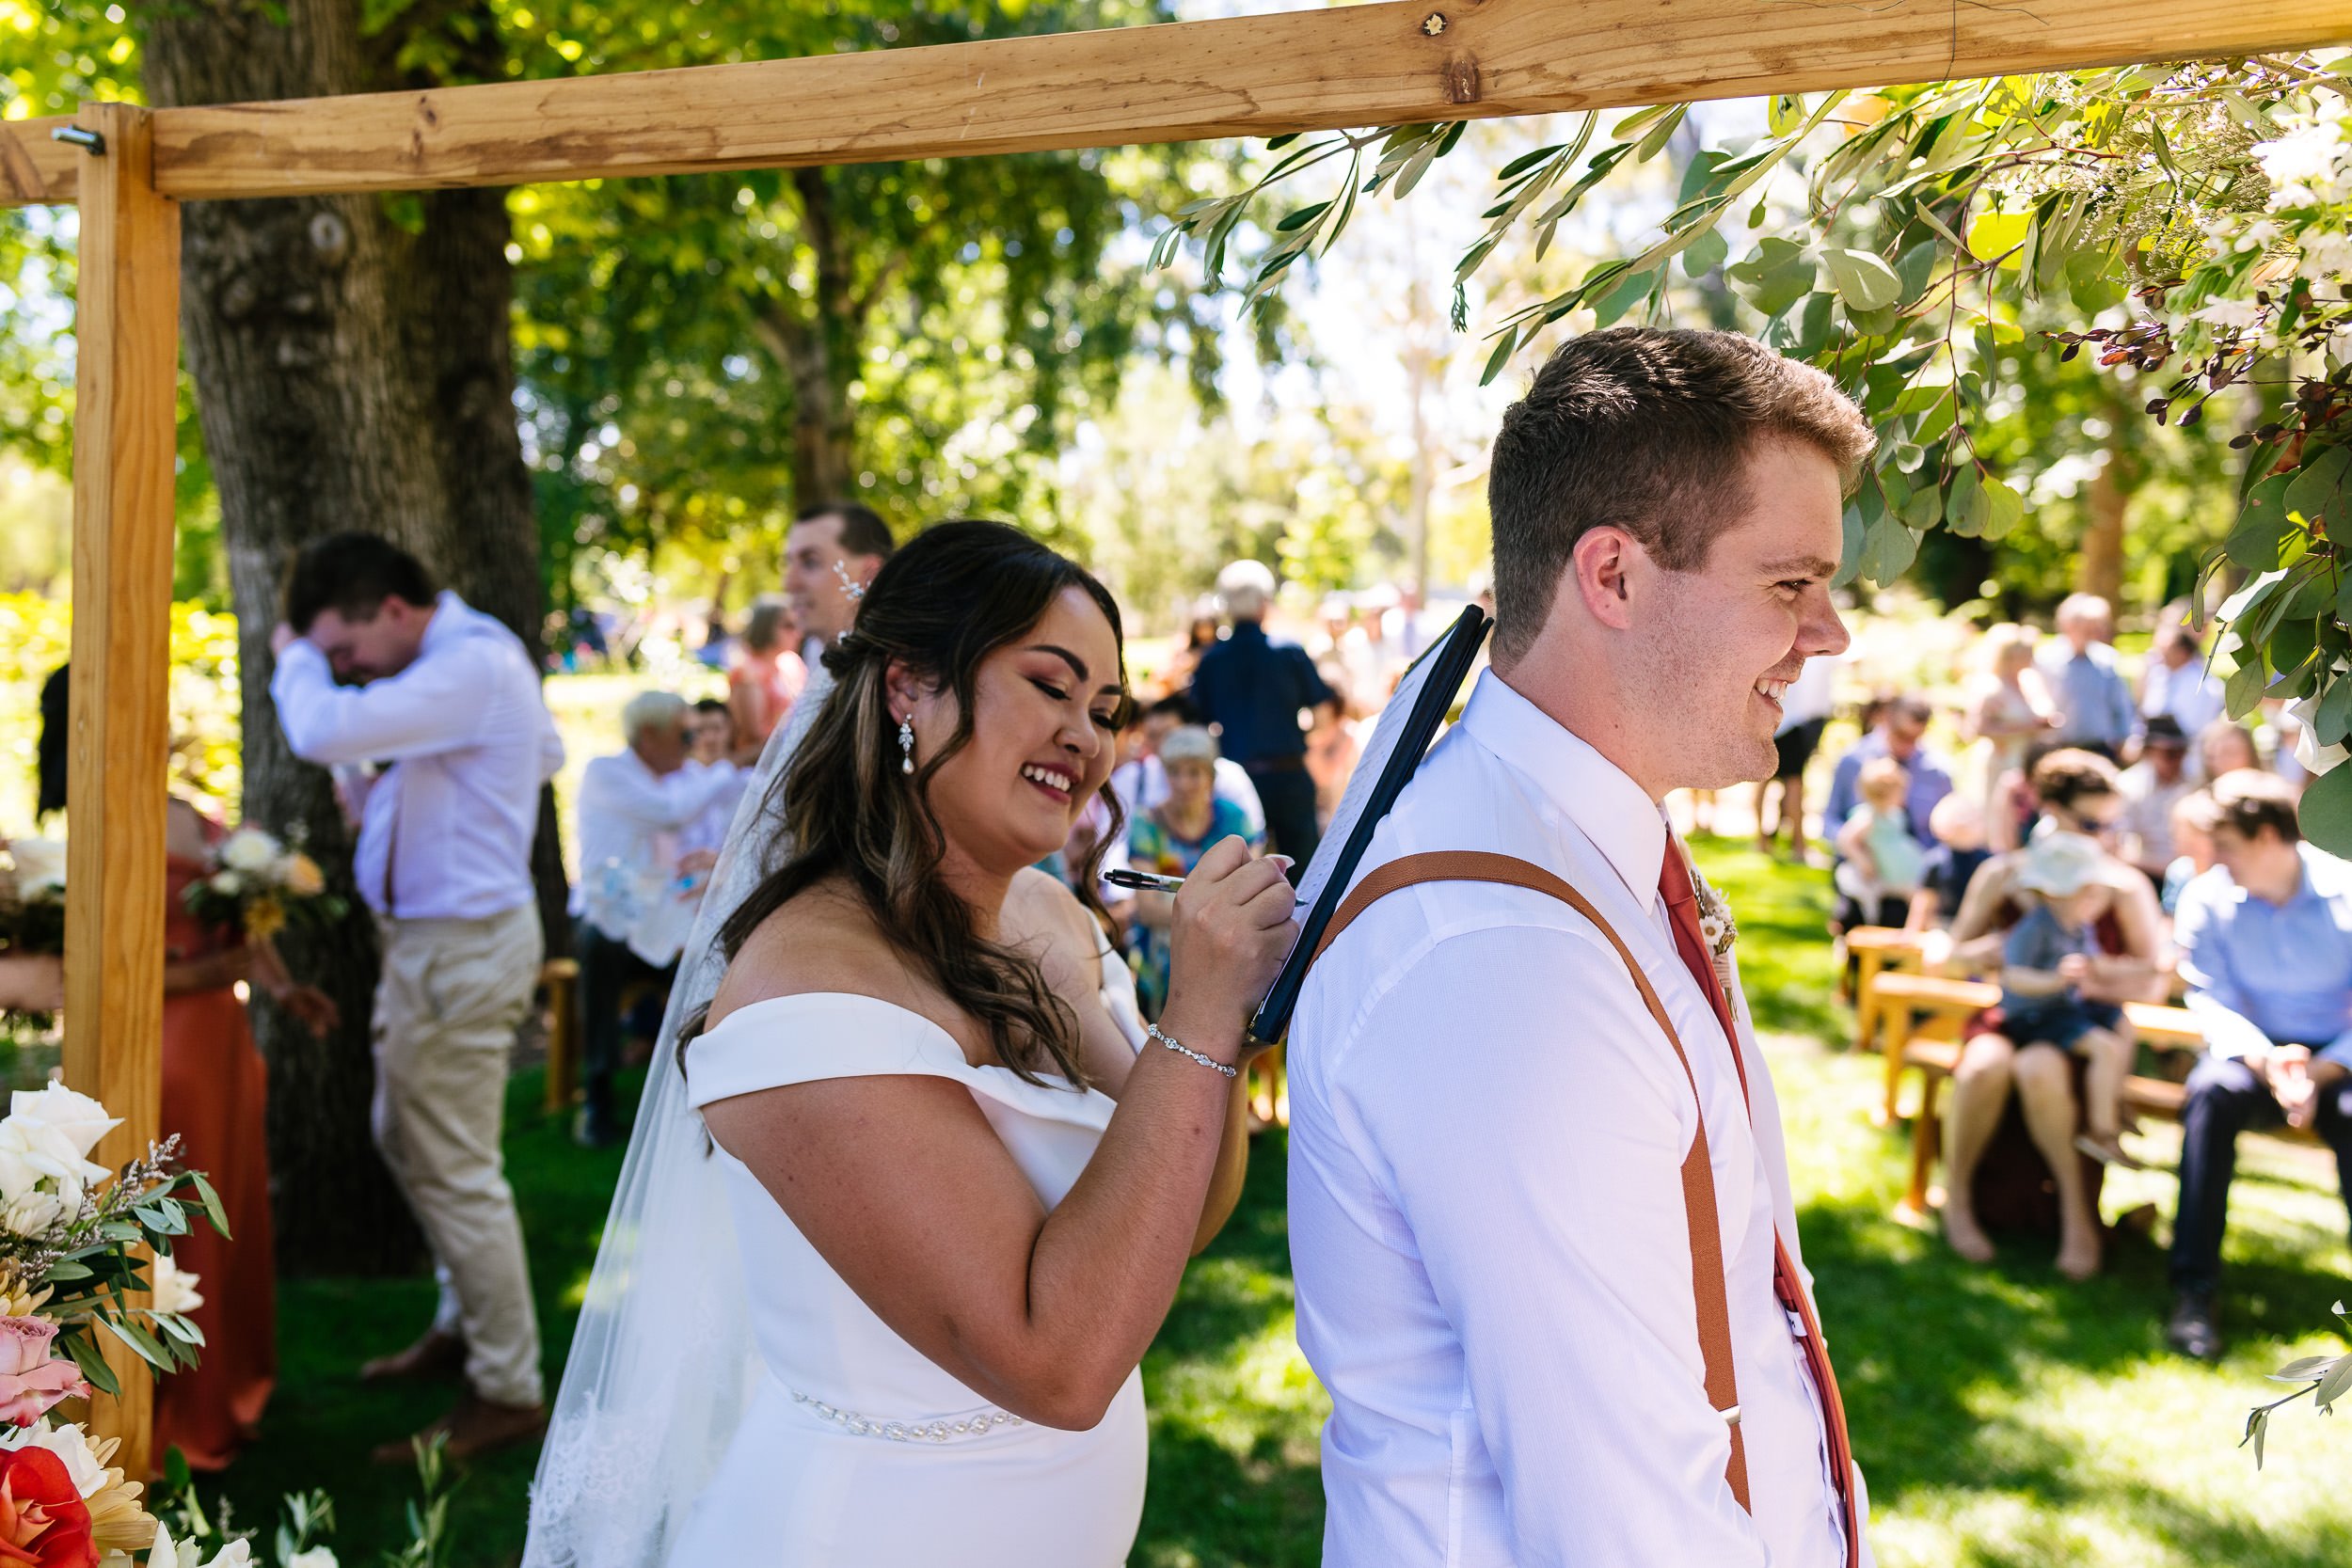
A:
<point x="1599" y="573"/>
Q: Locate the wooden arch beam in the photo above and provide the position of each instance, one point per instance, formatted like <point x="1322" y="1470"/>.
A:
<point x="1382" y="64"/>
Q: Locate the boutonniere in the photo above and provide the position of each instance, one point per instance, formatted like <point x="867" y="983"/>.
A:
<point x="1715" y="921"/>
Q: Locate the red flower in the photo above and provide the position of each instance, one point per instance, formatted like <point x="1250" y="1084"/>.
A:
<point x="43" y="1520"/>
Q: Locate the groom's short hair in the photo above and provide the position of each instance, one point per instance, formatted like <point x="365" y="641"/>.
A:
<point x="1649" y="429"/>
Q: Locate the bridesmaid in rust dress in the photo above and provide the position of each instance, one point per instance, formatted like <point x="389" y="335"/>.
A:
<point x="215" y="1090"/>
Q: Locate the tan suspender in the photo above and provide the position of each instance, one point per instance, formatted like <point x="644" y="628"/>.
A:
<point x="1698" y="1175"/>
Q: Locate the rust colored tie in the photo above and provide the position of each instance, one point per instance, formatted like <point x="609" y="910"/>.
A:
<point x="1682" y="912"/>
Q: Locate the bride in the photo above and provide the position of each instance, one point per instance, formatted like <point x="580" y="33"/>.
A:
<point x="960" y="1200"/>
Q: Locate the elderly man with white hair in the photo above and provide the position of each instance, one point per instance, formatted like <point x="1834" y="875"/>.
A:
<point x="632" y="909"/>
<point x="2094" y="701"/>
<point x="1253" y="689"/>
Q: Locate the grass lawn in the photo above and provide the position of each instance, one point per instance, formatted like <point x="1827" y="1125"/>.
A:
<point x="2003" y="1415"/>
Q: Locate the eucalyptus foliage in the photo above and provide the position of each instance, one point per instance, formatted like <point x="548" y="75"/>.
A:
<point x="2184" y="224"/>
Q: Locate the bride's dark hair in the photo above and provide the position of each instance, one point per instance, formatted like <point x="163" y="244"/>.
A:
<point x="958" y="593"/>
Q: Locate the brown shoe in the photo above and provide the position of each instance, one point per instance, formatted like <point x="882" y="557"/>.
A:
<point x="477" y="1426"/>
<point x="437" y="1354"/>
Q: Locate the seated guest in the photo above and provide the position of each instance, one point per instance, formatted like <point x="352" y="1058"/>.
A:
<point x="2193" y="819"/>
<point x="2265" y="945"/>
<point x="1169" y="838"/>
<point x="1960" y="849"/>
<point x="2046" y="959"/>
<point x="2226" y="745"/>
<point x="631" y="913"/>
<point x="1897" y="732"/>
<point x="1140" y="783"/>
<point x="2152" y="787"/>
<point x="1880" y="862"/>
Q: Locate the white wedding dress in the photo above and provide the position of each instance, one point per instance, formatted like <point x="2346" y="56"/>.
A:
<point x="855" y="1448"/>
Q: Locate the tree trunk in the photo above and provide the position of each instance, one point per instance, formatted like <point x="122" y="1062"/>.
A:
<point x="820" y="352"/>
<point x="2102" y="568"/>
<point x="352" y="371"/>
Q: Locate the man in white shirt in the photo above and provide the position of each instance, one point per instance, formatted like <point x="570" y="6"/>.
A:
<point x="831" y="553"/>
<point x="442" y="704"/>
<point x="632" y="903"/>
<point x="1497" y="1155"/>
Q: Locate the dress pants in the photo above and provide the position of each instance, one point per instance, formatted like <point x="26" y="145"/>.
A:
<point x="608" y="967"/>
<point x="1288" y="794"/>
<point x="2225" y="1097"/>
<point x="446" y="1009"/>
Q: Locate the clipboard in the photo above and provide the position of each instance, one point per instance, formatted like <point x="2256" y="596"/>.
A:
<point x="1407" y="725"/>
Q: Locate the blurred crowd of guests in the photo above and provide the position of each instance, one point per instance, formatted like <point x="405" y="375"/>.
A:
<point x="2098" y="841"/>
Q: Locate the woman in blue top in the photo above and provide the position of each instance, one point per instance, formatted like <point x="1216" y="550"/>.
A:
<point x="1169" y="839"/>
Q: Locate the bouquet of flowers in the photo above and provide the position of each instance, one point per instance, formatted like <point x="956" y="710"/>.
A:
<point x="74" y="1241"/>
<point x="32" y="895"/>
<point x="257" y="886"/>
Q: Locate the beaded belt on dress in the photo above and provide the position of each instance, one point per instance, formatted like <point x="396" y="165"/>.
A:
<point x="978" y="1423"/>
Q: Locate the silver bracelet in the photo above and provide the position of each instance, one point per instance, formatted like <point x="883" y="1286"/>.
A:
<point x="1181" y="1049"/>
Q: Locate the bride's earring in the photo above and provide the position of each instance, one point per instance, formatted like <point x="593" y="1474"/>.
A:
<point x="850" y="585"/>
<point x="906" y="745"/>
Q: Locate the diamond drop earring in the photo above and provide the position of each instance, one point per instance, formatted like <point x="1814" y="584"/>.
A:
<point x="849" y="586"/>
<point x="906" y="745"/>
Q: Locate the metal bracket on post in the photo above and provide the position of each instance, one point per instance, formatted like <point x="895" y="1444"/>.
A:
<point x="89" y="141"/>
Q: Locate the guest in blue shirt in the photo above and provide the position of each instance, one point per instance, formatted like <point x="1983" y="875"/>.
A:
<point x="1253" y="689"/>
<point x="2265" y="946"/>
<point x="1901" y="723"/>
<point x="2094" y="701"/>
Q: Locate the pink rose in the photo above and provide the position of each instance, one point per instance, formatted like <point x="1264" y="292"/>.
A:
<point x="31" y="1378"/>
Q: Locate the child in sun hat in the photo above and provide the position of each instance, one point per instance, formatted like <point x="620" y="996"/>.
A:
<point x="2048" y="956"/>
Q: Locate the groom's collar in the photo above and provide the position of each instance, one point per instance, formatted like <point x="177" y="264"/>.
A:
<point x="1588" y="789"/>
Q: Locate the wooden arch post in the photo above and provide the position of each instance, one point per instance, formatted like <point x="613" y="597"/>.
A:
<point x="125" y="389"/>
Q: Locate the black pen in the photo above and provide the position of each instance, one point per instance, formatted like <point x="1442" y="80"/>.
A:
<point x="1145" y="881"/>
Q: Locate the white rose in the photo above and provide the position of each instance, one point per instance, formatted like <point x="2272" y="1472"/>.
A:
<point x="2314" y="758"/>
<point x="250" y="851"/>
<point x="227" y="883"/>
<point x="82" y="1119"/>
<point x="317" y="1557"/>
<point x="40" y="862"/>
<point x="68" y="1443"/>
<point x="32" y="1214"/>
<point x="237" y="1553"/>
<point x="32" y="1153"/>
<point x="175" y="1287"/>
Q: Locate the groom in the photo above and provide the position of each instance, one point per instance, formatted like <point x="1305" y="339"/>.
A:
<point x="1546" y="1255"/>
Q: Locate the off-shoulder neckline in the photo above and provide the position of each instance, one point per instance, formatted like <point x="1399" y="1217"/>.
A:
<point x="930" y="1026"/>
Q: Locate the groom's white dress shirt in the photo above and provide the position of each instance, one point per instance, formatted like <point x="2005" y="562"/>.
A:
<point x="1486" y="1216"/>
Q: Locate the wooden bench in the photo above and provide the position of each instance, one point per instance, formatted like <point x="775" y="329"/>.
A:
<point x="1924" y="1018"/>
<point x="1876" y="949"/>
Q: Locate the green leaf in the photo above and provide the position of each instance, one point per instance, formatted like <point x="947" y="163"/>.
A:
<point x="2337" y="1378"/>
<point x="2326" y="810"/>
<point x="1776" y="277"/>
<point x="1659" y="134"/>
<point x="1300" y="218"/>
<point x="1526" y="161"/>
<point x="2259" y="536"/>
<point x="1501" y="356"/>
<point x="1888" y="550"/>
<point x="1849" y="551"/>
<point x="2316" y="490"/>
<point x="1705" y="254"/>
<point x="2090" y="282"/>
<point x="1622" y="298"/>
<point x="1864" y="281"/>
<point x="1784" y="112"/>
<point x="2007" y="508"/>
<point x="1632" y="126"/>
<point x="2333" y="720"/>
<point x="2244" y="691"/>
